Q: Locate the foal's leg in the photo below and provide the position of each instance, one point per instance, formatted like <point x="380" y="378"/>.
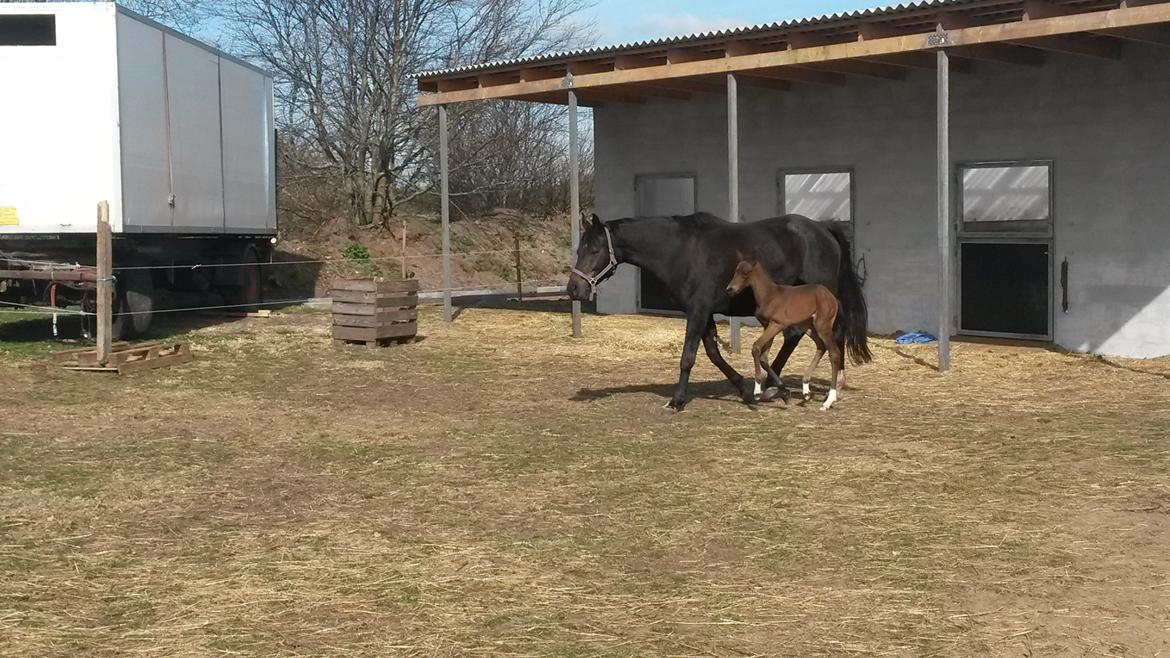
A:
<point x="760" y="352"/>
<point x="791" y="339"/>
<point x="837" y="360"/>
<point x="816" y="360"/>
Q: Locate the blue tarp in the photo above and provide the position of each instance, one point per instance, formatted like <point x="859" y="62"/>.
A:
<point x="915" y="337"/>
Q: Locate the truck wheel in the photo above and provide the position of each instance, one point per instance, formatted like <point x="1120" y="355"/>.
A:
<point x="133" y="304"/>
<point x="139" y="299"/>
<point x="121" y="326"/>
<point x="248" y="293"/>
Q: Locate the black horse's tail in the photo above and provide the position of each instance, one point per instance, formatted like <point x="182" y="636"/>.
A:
<point x="854" y="316"/>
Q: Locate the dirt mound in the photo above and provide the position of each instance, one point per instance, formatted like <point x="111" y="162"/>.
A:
<point x="484" y="250"/>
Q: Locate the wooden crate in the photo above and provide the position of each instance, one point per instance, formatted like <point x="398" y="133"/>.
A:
<point x="374" y="312"/>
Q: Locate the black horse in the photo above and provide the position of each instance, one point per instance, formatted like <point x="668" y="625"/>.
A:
<point x="695" y="256"/>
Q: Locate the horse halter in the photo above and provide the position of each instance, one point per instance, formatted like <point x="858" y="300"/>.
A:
<point x="596" y="279"/>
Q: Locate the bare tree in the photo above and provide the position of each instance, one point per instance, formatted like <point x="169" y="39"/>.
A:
<point x="519" y="157"/>
<point x="346" y="99"/>
<point x="183" y="15"/>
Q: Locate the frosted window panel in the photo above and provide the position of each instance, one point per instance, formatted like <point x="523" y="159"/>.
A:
<point x="824" y="197"/>
<point x="665" y="197"/>
<point x="1006" y="194"/>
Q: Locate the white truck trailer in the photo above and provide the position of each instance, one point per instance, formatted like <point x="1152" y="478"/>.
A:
<point x="97" y="104"/>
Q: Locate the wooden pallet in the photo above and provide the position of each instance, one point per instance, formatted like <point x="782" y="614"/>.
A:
<point x="234" y="314"/>
<point x="374" y="313"/>
<point x="126" y="357"/>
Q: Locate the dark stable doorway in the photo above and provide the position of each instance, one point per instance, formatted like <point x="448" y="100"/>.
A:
<point x="662" y="195"/>
<point x="1005" y="289"/>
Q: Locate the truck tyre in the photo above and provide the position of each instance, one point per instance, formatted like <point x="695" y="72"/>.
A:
<point x="140" y="296"/>
<point x="121" y="326"/>
<point x="133" y="304"/>
<point x="247" y="294"/>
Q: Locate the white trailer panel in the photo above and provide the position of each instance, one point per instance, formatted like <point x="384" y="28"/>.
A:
<point x="59" y="121"/>
<point x="146" y="185"/>
<point x="249" y="172"/>
<point x="196" y="157"/>
<point x="176" y="135"/>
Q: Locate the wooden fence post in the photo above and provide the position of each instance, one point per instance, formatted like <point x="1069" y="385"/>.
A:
<point x="574" y="201"/>
<point x="403" y="246"/>
<point x="105" y="284"/>
<point x="519" y="272"/>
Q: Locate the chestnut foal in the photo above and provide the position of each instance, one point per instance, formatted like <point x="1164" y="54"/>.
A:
<point x="778" y="307"/>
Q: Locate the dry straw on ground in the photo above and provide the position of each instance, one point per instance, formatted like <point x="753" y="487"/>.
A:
<point x="500" y="488"/>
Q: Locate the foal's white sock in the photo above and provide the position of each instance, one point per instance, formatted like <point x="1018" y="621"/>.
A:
<point x="805" y="389"/>
<point x="758" y="389"/>
<point x="830" y="398"/>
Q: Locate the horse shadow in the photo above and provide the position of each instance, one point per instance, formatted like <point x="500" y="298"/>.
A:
<point x="911" y="357"/>
<point x="716" y="389"/>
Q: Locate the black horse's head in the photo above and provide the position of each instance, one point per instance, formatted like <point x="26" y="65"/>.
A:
<point x="594" y="262"/>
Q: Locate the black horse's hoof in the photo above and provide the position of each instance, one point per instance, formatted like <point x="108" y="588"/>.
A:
<point x="747" y="391"/>
<point x="774" y="393"/>
<point x="673" y="407"/>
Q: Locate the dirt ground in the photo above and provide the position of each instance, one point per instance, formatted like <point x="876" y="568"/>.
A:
<point x="499" y="488"/>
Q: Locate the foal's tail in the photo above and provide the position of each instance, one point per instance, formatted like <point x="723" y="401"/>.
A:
<point x="854" y="315"/>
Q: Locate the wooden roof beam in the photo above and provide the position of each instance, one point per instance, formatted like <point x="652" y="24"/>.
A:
<point x="1158" y="35"/>
<point x="541" y="73"/>
<point x="584" y="68"/>
<point x="981" y="35"/>
<point x="1077" y="44"/>
<point x="1001" y="53"/>
<point x="663" y="89"/>
<point x="609" y="95"/>
<point x="1071" y="44"/>
<point x="750" y="80"/>
<point x="921" y="61"/>
<point x="863" y="68"/>
<point x="689" y="85"/>
<point x="627" y="62"/>
<point x="741" y="48"/>
<point x="871" y="31"/>
<point x="555" y="98"/>
<point x="682" y="55"/>
<point x="796" y="74"/>
<point x="505" y="78"/>
<point x="851" y="67"/>
<point x="458" y="84"/>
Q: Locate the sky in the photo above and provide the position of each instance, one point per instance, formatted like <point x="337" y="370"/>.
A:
<point x="620" y="21"/>
<point x="623" y="21"/>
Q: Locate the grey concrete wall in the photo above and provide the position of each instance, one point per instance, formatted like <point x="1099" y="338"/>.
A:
<point x="1105" y="124"/>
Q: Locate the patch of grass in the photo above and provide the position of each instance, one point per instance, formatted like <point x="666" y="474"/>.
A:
<point x="461" y="242"/>
<point x="27" y="335"/>
<point x="304" y="309"/>
<point x="358" y="263"/>
<point x="499" y="487"/>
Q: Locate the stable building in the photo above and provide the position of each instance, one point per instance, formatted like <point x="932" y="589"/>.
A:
<point x="1001" y="166"/>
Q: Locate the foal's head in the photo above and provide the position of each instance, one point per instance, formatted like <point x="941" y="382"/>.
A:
<point x="742" y="277"/>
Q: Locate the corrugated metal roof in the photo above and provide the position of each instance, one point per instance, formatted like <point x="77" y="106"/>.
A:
<point x="826" y="19"/>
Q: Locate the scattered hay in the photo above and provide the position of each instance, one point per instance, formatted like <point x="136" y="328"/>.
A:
<point x="500" y="488"/>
